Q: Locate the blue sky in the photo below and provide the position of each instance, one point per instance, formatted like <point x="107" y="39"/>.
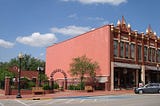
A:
<point x="29" y="26"/>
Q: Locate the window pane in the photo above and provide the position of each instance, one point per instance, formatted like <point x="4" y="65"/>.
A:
<point x="122" y="49"/>
<point x="153" y="55"/>
<point x="127" y="50"/>
<point x="150" y="56"/>
<point x="132" y="51"/>
<point x="115" y="48"/>
<point x="139" y="52"/>
<point x="158" y="55"/>
<point x="145" y="53"/>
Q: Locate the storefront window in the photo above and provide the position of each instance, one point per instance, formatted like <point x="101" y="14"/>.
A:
<point x="132" y="51"/>
<point x="115" y="48"/>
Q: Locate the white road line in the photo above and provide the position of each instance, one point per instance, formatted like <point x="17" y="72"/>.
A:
<point x="95" y="100"/>
<point x="1" y="104"/>
<point x="21" y="102"/>
<point x="38" y="102"/>
<point x="55" y="101"/>
<point x="82" y="100"/>
<point x="69" y="101"/>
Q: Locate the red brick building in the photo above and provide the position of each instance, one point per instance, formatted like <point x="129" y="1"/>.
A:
<point x="126" y="57"/>
<point x="30" y="75"/>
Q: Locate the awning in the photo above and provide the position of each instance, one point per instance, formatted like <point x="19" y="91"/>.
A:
<point x="152" y="68"/>
<point x="126" y="65"/>
<point x="135" y="66"/>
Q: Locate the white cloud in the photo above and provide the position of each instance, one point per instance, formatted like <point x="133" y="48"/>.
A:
<point x="112" y="2"/>
<point x="37" y="39"/>
<point x="41" y="54"/>
<point x="71" y="30"/>
<point x="96" y="18"/>
<point x="6" y="44"/>
<point x="72" y="16"/>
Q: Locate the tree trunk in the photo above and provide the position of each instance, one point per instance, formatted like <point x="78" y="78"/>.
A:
<point x="81" y="79"/>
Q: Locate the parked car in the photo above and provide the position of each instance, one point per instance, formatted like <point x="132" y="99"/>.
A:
<point x="148" y="88"/>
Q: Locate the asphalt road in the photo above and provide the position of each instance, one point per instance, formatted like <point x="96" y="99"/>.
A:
<point x="113" y="100"/>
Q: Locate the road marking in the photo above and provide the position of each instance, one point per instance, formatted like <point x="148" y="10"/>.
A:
<point x="56" y="101"/>
<point x="82" y="100"/>
<point x="22" y="102"/>
<point x="69" y="101"/>
<point x="1" y="104"/>
<point x="38" y="102"/>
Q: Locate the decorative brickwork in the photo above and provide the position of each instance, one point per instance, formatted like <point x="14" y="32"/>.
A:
<point x="7" y="86"/>
<point x="65" y="76"/>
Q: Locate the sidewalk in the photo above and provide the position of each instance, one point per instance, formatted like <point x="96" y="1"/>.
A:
<point x="68" y="93"/>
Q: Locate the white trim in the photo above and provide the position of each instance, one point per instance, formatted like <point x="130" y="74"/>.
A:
<point x="152" y="68"/>
<point x="102" y="79"/>
<point x="126" y="65"/>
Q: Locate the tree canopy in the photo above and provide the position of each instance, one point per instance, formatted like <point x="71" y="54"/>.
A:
<point x="4" y="71"/>
<point x="83" y="66"/>
<point x="28" y="62"/>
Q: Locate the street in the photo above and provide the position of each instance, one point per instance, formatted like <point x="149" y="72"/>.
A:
<point x="112" y="100"/>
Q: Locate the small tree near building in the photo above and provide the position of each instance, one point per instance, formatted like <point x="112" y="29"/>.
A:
<point x="82" y="67"/>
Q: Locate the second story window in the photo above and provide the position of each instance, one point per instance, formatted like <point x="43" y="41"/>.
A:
<point x="153" y="55"/>
<point x="127" y="50"/>
<point x="115" y="48"/>
<point x="150" y="57"/>
<point x="132" y="51"/>
<point x="139" y="52"/>
<point x="145" y="53"/>
<point x="122" y="49"/>
<point x="158" y="55"/>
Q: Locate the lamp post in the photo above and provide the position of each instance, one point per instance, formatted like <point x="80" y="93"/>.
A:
<point x="39" y="70"/>
<point x="20" y="56"/>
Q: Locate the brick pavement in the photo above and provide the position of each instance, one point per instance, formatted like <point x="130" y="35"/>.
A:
<point x="68" y="93"/>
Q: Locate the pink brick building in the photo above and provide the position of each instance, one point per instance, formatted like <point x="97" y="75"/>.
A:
<point x="118" y="50"/>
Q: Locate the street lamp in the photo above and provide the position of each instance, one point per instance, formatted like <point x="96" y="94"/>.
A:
<point x="39" y="69"/>
<point x="20" y="56"/>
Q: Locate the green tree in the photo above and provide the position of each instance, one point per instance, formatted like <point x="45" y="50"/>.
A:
<point x="28" y="62"/>
<point x="43" y="77"/>
<point x="4" y="73"/>
<point x="83" y="66"/>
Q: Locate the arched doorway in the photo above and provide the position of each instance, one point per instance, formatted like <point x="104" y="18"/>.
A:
<point x="52" y="77"/>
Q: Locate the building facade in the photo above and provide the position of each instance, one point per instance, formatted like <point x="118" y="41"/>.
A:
<point x="126" y="57"/>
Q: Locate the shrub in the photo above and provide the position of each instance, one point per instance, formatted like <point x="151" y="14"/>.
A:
<point x="79" y="86"/>
<point x="31" y="84"/>
<point x="46" y="87"/>
<point x="72" y="87"/>
<point x="24" y="83"/>
<point x="56" y="86"/>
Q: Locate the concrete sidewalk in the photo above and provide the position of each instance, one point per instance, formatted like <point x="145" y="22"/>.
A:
<point x="68" y="93"/>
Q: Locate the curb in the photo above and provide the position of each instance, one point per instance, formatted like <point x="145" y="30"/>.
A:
<point x="64" y="95"/>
